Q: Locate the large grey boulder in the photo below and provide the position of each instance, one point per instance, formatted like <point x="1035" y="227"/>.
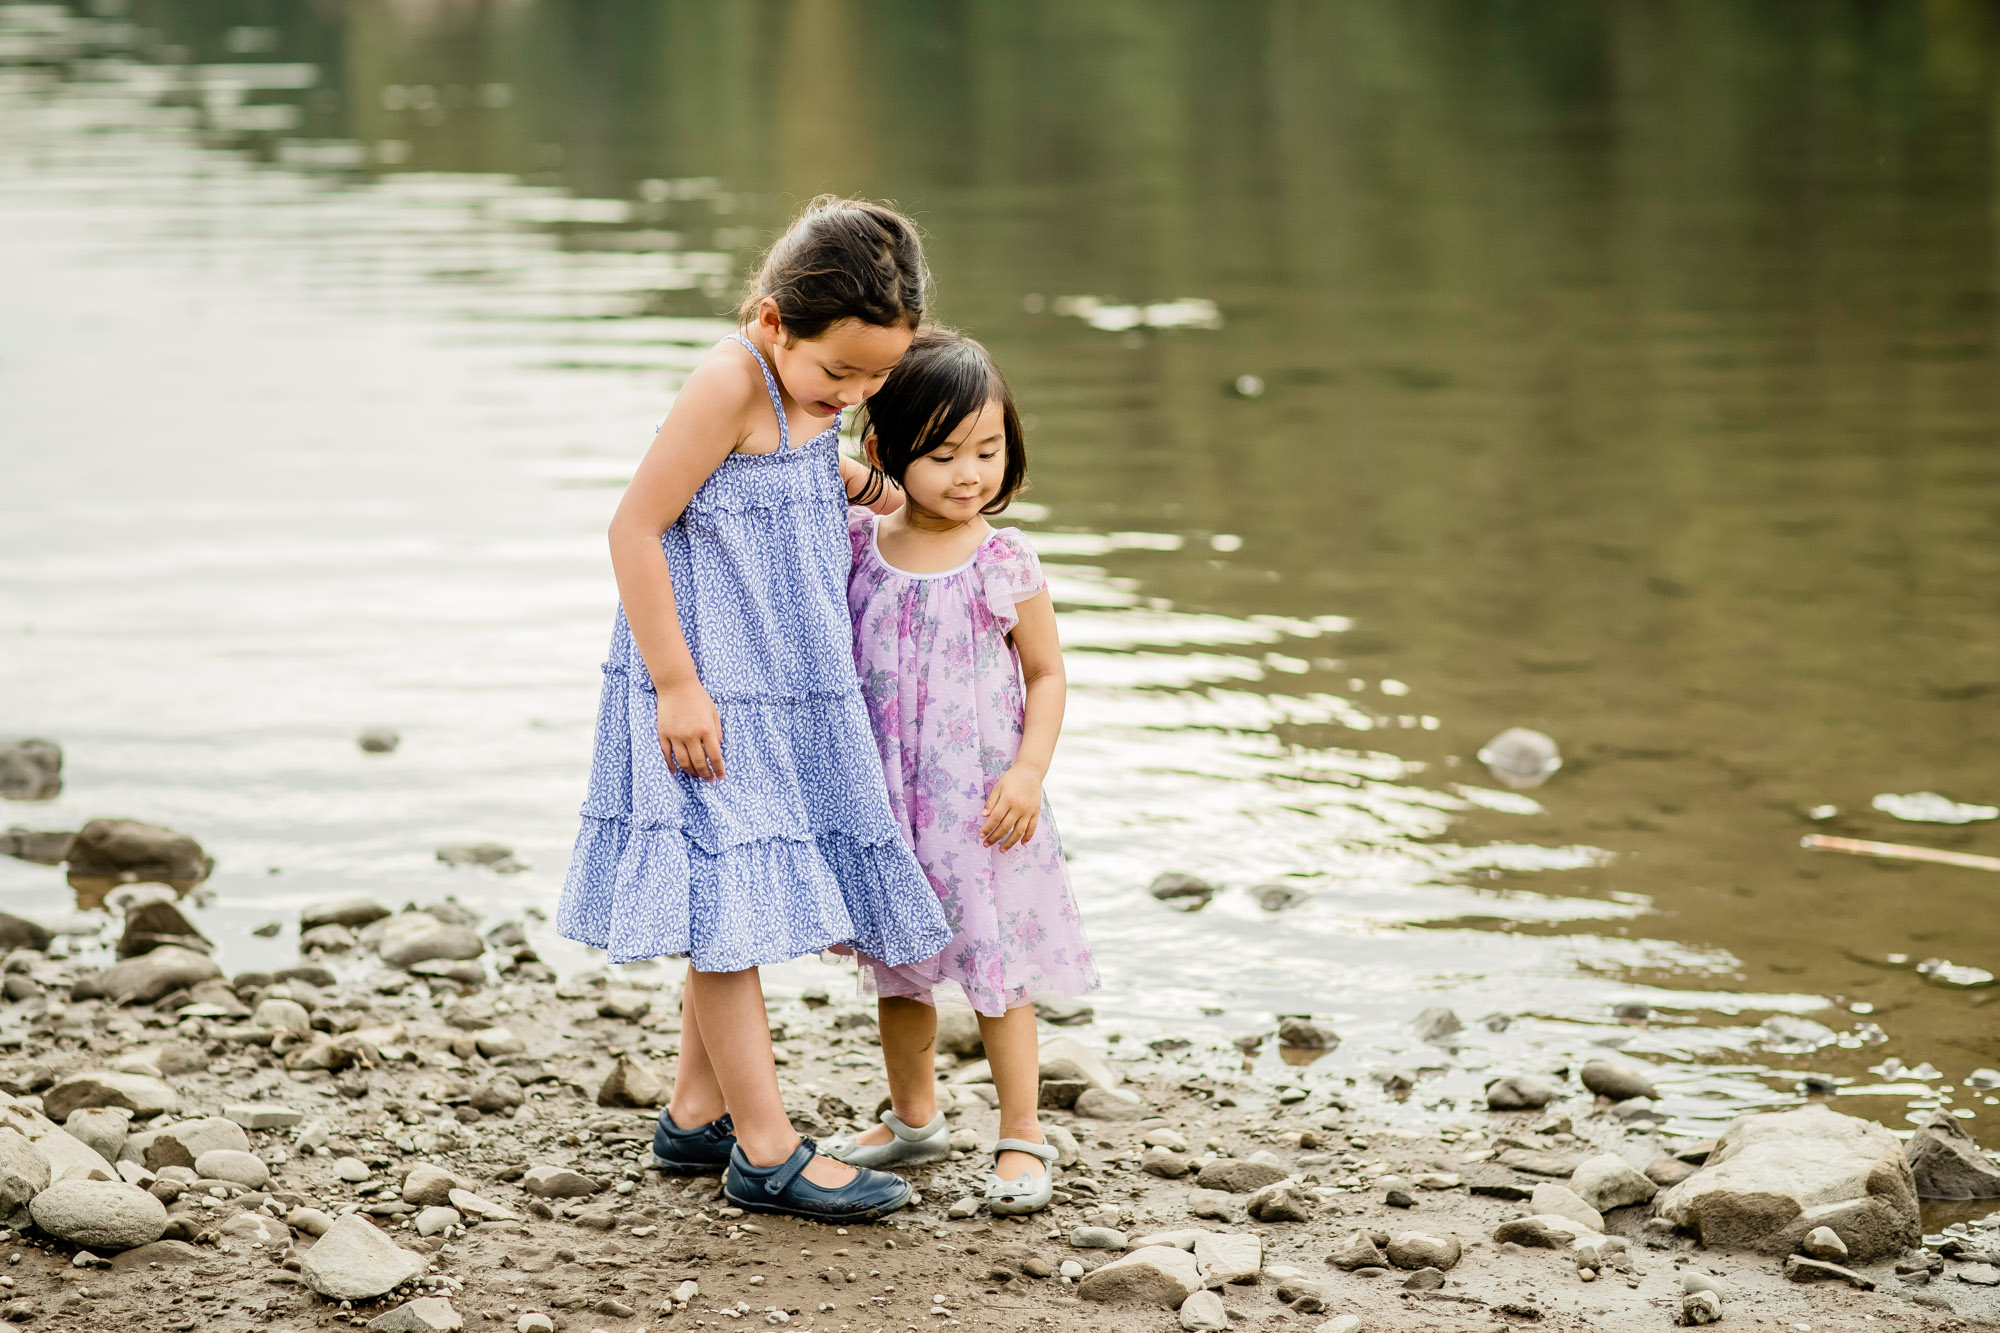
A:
<point x="143" y="1096"/>
<point x="156" y="974"/>
<point x="99" y="1214"/>
<point x="183" y="1143"/>
<point x="353" y="1261"/>
<point x="24" y="1173"/>
<point x="1947" y="1162"/>
<point x="128" y="851"/>
<point x="1158" y="1275"/>
<point x="65" y="1152"/>
<point x="1773" y="1178"/>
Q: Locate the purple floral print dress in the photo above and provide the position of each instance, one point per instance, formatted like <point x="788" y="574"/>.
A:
<point x="942" y="684"/>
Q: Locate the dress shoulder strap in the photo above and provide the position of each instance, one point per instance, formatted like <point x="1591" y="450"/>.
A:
<point x="770" y="386"/>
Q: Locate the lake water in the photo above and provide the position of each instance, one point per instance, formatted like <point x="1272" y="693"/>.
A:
<point x="1628" y="372"/>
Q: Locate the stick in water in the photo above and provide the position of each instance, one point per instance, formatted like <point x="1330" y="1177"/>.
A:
<point x="1899" y="851"/>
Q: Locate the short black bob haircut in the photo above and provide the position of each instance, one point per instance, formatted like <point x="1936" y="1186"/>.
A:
<point x="944" y="378"/>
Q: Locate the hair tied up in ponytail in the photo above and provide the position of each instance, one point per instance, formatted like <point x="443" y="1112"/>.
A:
<point x="843" y="259"/>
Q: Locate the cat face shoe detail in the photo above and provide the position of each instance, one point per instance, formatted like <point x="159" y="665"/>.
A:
<point x="1029" y="1193"/>
<point x="906" y="1146"/>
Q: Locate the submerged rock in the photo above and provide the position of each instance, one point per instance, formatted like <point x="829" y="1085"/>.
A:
<point x="44" y="847"/>
<point x="1946" y="1162"/>
<point x="1278" y="897"/>
<point x="128" y="851"/>
<point x="1302" y="1034"/>
<point x="492" y="855"/>
<point x="1521" y="757"/>
<point x="378" y="740"/>
<point x="1184" y="893"/>
<point x="30" y="770"/>
<point x="1775" y="1177"/>
<point x="1436" y="1024"/>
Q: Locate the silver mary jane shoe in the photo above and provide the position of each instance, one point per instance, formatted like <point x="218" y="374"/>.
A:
<point x="1025" y="1194"/>
<point x="906" y="1146"/>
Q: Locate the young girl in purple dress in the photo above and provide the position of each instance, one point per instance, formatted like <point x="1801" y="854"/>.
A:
<point x="955" y="643"/>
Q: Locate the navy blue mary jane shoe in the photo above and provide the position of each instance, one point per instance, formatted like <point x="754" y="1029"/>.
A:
<point x="784" y="1189"/>
<point x="693" y="1152"/>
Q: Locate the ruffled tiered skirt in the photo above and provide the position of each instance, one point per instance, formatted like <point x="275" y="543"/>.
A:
<point x="795" y="850"/>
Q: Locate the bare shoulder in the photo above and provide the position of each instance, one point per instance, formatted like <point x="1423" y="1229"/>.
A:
<point x="725" y="380"/>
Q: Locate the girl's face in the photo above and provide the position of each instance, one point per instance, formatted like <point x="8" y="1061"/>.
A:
<point x="961" y="477"/>
<point x="835" y="371"/>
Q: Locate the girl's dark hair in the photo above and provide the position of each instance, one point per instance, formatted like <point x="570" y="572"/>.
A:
<point x="944" y="378"/>
<point x="843" y="259"/>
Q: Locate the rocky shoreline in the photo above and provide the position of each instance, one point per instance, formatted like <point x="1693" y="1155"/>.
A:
<point x="419" y="1127"/>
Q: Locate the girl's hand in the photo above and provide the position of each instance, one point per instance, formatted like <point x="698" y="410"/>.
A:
<point x="1013" y="809"/>
<point x="690" y="731"/>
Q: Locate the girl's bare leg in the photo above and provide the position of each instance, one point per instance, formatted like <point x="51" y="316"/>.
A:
<point x="734" y="1035"/>
<point x="1015" y="1053"/>
<point x="909" y="1044"/>
<point x="697" y="1096"/>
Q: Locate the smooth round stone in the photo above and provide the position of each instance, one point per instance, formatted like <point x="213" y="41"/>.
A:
<point x="241" y="1168"/>
<point x="99" y="1214"/>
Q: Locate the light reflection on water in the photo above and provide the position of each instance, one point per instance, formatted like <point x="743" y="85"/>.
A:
<point x="295" y="450"/>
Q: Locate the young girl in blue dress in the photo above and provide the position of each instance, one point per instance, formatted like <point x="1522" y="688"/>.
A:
<point x="737" y="814"/>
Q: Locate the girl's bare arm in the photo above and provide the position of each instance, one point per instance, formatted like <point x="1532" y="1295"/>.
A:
<point x="703" y="427"/>
<point x="1014" y="806"/>
<point x="867" y="485"/>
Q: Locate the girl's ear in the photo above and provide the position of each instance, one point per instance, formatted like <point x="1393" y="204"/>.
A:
<point x="771" y="322"/>
<point x="871" y="451"/>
